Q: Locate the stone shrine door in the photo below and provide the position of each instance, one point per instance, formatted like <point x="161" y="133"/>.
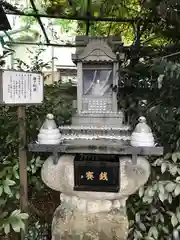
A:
<point x="97" y="88"/>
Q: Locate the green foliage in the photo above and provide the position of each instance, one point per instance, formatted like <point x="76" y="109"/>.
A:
<point x="154" y="212"/>
<point x="37" y="63"/>
<point x="157" y="21"/>
<point x="100" y="8"/>
<point x="37" y="231"/>
<point x="58" y="100"/>
<point x="67" y="26"/>
<point x="14" y="221"/>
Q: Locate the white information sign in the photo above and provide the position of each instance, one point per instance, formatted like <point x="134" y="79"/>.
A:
<point x="19" y="87"/>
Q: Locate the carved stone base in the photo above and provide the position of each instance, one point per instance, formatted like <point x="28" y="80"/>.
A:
<point x="71" y="224"/>
<point x="92" y="215"/>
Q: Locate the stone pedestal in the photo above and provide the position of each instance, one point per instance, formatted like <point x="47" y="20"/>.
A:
<point x="72" y="224"/>
<point x="92" y="215"/>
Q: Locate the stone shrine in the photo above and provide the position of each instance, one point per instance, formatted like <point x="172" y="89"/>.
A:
<point x="94" y="167"/>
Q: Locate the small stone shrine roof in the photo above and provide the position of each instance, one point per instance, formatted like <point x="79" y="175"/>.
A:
<point x="96" y="49"/>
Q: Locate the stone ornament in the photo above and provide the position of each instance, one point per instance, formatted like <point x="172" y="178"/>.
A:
<point x="49" y="132"/>
<point x="91" y="214"/>
<point x="142" y="135"/>
<point x="97" y="128"/>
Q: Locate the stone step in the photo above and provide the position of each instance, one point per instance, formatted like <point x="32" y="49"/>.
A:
<point x="98" y="120"/>
<point x="103" y="130"/>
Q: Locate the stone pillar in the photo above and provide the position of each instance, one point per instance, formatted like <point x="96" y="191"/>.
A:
<point x="92" y="215"/>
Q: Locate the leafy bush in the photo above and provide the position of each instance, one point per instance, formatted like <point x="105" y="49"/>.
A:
<point x="14" y="221"/>
<point x="154" y="212"/>
<point x="38" y="232"/>
<point x="57" y="100"/>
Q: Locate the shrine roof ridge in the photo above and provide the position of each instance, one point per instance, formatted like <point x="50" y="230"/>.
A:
<point x="97" y="49"/>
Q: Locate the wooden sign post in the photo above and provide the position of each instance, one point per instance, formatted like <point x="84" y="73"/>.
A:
<point x="23" y="163"/>
<point x="21" y="89"/>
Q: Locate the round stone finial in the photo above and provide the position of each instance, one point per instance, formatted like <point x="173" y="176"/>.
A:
<point x="142" y="119"/>
<point x="142" y="134"/>
<point x="142" y="126"/>
<point x="50" y="116"/>
<point x="49" y="132"/>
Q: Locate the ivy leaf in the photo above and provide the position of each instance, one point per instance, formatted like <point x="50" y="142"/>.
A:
<point x="178" y="228"/>
<point x="178" y="179"/>
<point x="150" y="192"/>
<point x="173" y="170"/>
<point x="9" y="182"/>
<point x="163" y="167"/>
<point x="162" y="197"/>
<point x="142" y="226"/>
<point x="1" y="190"/>
<point x="153" y="232"/>
<point x="15" y="213"/>
<point x="161" y="217"/>
<point x="2" y="201"/>
<point x="155" y="187"/>
<point x="16" y="226"/>
<point x="7" y="190"/>
<point x="7" y="228"/>
<point x="39" y="162"/>
<point x="161" y="188"/>
<point x="178" y="155"/>
<point x="158" y="162"/>
<point x="23" y="216"/>
<point x="170" y="198"/>
<point x="147" y="199"/>
<point x="33" y="160"/>
<point x="175" y="234"/>
<point x="177" y="190"/>
<point x="178" y="216"/>
<point x="138" y="234"/>
<point x="167" y="156"/>
<point x="3" y="173"/>
<point x="17" y="195"/>
<point x="170" y="187"/>
<point x="141" y="191"/>
<point x="174" y="157"/>
<point x="165" y="230"/>
<point x="174" y="220"/>
<point x="15" y="171"/>
<point x="137" y="217"/>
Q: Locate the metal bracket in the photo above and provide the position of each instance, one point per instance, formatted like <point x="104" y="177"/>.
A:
<point x="55" y="157"/>
<point x="134" y="156"/>
<point x="134" y="159"/>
